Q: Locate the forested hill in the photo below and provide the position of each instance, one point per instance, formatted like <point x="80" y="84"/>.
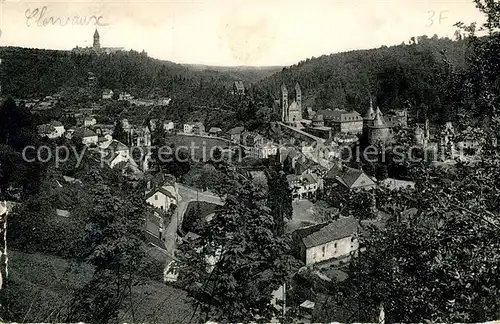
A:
<point x="247" y="74"/>
<point x="35" y="72"/>
<point x="394" y="76"/>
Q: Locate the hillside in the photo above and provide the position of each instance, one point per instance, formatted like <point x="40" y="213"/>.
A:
<point x="394" y="76"/>
<point x="34" y="73"/>
<point x="247" y="74"/>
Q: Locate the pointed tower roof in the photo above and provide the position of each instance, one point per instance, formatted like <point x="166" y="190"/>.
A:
<point x="96" y="33"/>
<point x="370" y="113"/>
<point x="379" y="112"/>
<point x="379" y="121"/>
<point x="283" y="87"/>
<point x="297" y="85"/>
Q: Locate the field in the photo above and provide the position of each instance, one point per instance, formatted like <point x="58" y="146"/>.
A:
<point x="41" y="285"/>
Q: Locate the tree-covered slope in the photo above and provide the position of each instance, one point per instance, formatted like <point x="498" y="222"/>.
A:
<point x="35" y="72"/>
<point x="394" y="76"/>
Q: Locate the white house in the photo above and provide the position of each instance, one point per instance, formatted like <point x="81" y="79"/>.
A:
<point x="124" y="96"/>
<point x="88" y="137"/>
<point x="162" y="197"/>
<point x="168" y="125"/>
<point x="304" y="186"/>
<point x="327" y="241"/>
<point x="194" y="128"/>
<point x="188" y="128"/>
<point x="89" y="121"/>
<point x="264" y="151"/>
<point x="107" y="94"/>
<point x="115" y="153"/>
<point x="54" y="129"/>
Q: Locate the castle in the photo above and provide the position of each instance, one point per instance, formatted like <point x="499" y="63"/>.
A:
<point x="96" y="47"/>
<point x="292" y="113"/>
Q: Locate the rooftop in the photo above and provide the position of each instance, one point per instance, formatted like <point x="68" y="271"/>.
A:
<point x="328" y="232"/>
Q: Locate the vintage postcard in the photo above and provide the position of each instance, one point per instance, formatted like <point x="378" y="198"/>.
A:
<point x="231" y="161"/>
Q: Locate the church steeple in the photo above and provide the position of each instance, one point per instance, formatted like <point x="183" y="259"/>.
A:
<point x="97" y="44"/>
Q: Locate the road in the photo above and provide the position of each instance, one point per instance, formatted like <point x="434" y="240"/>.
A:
<point x="186" y="195"/>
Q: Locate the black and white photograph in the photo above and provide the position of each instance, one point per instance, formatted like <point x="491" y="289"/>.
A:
<point x="249" y="161"/>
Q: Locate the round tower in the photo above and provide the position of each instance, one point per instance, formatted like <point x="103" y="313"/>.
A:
<point x="379" y="131"/>
<point x="419" y="136"/>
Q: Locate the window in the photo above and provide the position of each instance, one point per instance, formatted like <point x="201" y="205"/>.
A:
<point x="156" y="197"/>
<point x="323" y="250"/>
<point x="335" y="245"/>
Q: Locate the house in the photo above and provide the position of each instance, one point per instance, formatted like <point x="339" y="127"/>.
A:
<point x="142" y="102"/>
<point x="62" y="213"/>
<point x="238" y="88"/>
<point x="194" y="128"/>
<point x="115" y="153"/>
<point x="163" y="101"/>
<point x="140" y="136"/>
<point x="215" y="131"/>
<point x="304" y="186"/>
<point x="107" y="94"/>
<point x="126" y="125"/>
<point x="168" y="125"/>
<point x="342" y="120"/>
<point x="350" y="178"/>
<point x="124" y="96"/>
<point x="54" y="129"/>
<point x="394" y="184"/>
<point x="188" y="128"/>
<point x="162" y="194"/>
<point x="327" y="241"/>
<point x="89" y="121"/>
<point x="235" y="133"/>
<point x="88" y="136"/>
<point x="252" y="139"/>
<point x="198" y="128"/>
<point x="264" y="151"/>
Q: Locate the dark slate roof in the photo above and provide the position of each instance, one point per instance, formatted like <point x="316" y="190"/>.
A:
<point x="116" y="146"/>
<point x="340" y="115"/>
<point x="324" y="233"/>
<point x="379" y="121"/>
<point x="84" y="132"/>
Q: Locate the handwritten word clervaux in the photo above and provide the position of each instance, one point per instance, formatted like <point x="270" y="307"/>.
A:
<point x="37" y="17"/>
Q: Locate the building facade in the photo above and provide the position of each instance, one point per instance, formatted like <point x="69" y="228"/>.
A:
<point x="291" y="113"/>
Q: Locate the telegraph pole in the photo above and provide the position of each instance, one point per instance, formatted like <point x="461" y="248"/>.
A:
<point x="3" y="248"/>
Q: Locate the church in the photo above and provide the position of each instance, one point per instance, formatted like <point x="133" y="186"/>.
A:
<point x="291" y="113"/>
<point x="96" y="47"/>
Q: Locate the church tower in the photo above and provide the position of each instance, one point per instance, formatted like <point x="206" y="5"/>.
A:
<point x="97" y="44"/>
<point x="298" y="95"/>
<point x="284" y="103"/>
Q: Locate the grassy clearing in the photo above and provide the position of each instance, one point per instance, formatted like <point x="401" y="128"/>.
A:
<point x="41" y="285"/>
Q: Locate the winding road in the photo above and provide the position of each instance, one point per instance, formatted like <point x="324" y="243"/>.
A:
<point x="186" y="195"/>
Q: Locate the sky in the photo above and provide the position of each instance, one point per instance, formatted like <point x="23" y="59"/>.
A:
<point x="231" y="32"/>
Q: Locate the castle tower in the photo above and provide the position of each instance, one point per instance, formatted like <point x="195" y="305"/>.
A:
<point x="379" y="131"/>
<point x="419" y="136"/>
<point x="284" y="103"/>
<point x="97" y="44"/>
<point x="298" y="95"/>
